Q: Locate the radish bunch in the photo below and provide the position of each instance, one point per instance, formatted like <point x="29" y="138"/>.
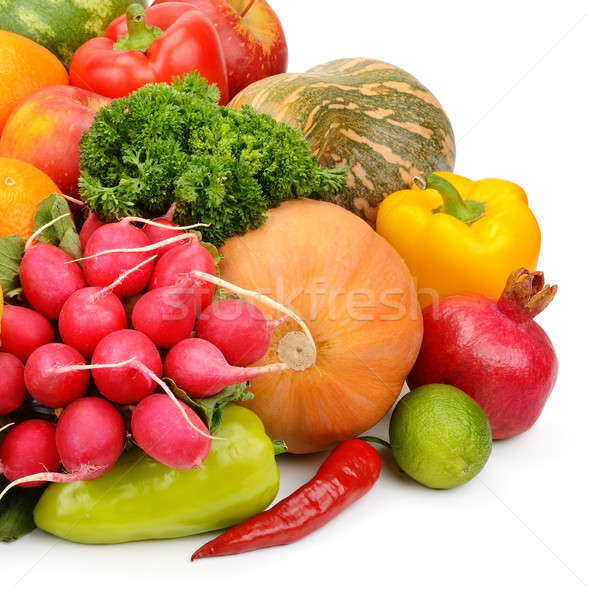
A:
<point x="92" y="366"/>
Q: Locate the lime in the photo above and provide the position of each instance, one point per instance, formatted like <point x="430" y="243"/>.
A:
<point x="440" y="436"/>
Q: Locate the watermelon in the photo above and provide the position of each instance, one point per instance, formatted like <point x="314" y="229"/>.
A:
<point x="60" y="25"/>
<point x="364" y="113"/>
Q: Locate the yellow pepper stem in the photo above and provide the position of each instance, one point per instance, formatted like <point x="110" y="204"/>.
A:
<point x="454" y="205"/>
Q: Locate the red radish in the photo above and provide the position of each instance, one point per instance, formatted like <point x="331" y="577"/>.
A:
<point x="126" y="384"/>
<point x="102" y="270"/>
<point x="29" y="448"/>
<point x="200" y="369"/>
<point x="238" y="329"/>
<point x="160" y="430"/>
<point x="161" y="229"/>
<point x="49" y="378"/>
<point x="22" y="330"/>
<point x="88" y="316"/>
<point x="166" y="315"/>
<point x="12" y="390"/>
<point x="240" y="291"/>
<point x="172" y="267"/>
<point x="90" y="225"/>
<point x="48" y="277"/>
<point x="90" y="437"/>
<point x="493" y="351"/>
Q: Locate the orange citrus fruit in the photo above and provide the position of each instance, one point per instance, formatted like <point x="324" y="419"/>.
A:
<point x="22" y="188"/>
<point x="24" y="68"/>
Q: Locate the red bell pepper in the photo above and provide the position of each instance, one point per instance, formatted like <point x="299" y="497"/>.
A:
<point x="150" y="46"/>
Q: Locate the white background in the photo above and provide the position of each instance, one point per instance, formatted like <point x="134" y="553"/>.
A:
<point x="519" y="82"/>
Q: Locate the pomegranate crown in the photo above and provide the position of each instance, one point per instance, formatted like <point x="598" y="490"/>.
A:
<point x="525" y="295"/>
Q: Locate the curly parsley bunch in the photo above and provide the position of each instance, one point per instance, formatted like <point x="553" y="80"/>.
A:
<point x="168" y="144"/>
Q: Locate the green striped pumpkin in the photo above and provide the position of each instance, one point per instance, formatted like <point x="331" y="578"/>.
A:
<point x="364" y="113"/>
<point x="60" y="25"/>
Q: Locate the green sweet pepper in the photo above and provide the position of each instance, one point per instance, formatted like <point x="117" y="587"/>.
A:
<point x="141" y="499"/>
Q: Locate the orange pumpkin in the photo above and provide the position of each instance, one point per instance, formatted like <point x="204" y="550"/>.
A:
<point x="359" y="302"/>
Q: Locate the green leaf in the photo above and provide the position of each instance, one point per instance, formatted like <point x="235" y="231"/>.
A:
<point x="62" y="233"/>
<point x="16" y="511"/>
<point x="211" y="408"/>
<point x="12" y="249"/>
<point x="214" y="252"/>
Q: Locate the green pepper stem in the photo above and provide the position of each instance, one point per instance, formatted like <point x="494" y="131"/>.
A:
<point x="279" y="447"/>
<point x="374" y="440"/>
<point x="139" y="35"/>
<point x="454" y="205"/>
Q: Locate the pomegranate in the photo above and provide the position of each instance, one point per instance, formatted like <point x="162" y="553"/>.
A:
<point x="493" y="351"/>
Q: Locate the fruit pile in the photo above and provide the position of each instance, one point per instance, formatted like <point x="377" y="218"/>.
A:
<point x="205" y="262"/>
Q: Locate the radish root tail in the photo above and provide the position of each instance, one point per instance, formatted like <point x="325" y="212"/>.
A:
<point x="35" y="234"/>
<point x="258" y="296"/>
<point x="162" y="225"/>
<point x="6" y="427"/>
<point x="149" y="373"/>
<point x="157" y="246"/>
<point x="48" y="477"/>
<point x="120" y="279"/>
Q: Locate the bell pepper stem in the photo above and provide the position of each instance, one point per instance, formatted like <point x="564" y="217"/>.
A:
<point x="139" y="35"/>
<point x="279" y="447"/>
<point x="454" y="205"/>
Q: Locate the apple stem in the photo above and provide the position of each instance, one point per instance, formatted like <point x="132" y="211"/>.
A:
<point x="248" y="7"/>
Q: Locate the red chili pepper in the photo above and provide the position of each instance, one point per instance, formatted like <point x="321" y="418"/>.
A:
<point x="150" y="46"/>
<point x="347" y="474"/>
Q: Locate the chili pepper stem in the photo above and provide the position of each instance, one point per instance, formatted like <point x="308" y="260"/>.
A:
<point x="375" y="440"/>
<point x="139" y="35"/>
<point x="11" y="424"/>
<point x="454" y="205"/>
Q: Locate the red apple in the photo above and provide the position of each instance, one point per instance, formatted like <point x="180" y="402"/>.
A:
<point x="252" y="39"/>
<point x="45" y="129"/>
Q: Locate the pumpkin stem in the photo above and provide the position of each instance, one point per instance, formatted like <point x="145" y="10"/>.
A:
<point x="139" y="35"/>
<point x="454" y="205"/>
<point x="525" y="295"/>
<point x="297" y="351"/>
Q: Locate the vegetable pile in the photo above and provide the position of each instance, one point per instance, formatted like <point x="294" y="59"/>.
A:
<point x="95" y="386"/>
<point x="189" y="287"/>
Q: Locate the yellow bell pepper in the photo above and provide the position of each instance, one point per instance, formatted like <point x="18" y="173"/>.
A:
<point x="458" y="235"/>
